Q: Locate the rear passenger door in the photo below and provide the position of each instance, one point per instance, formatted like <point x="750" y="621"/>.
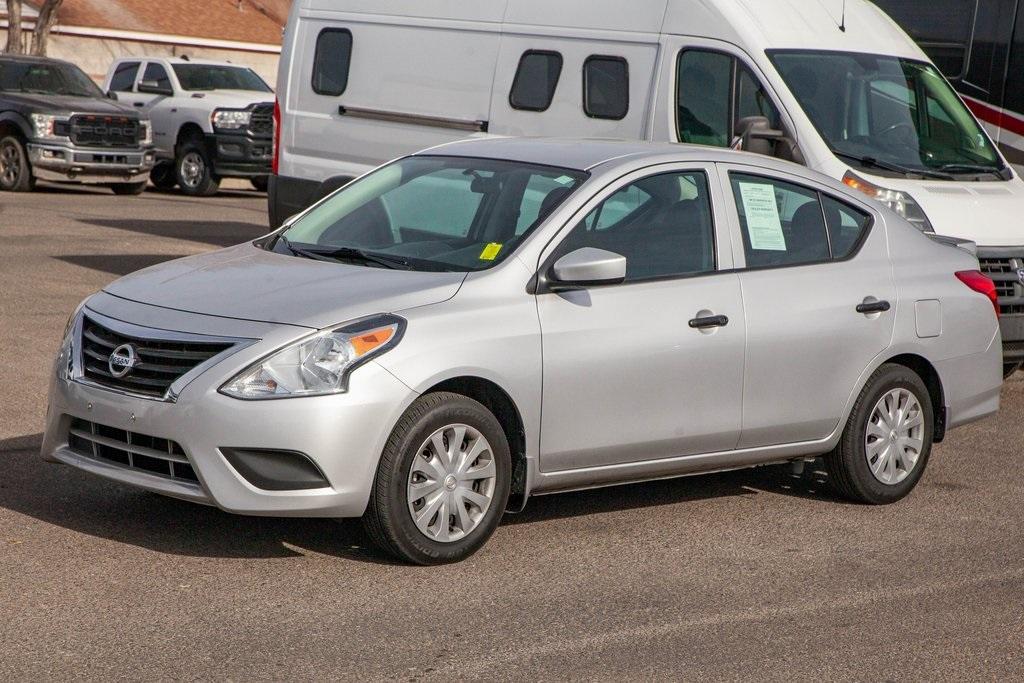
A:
<point x="819" y="297"/>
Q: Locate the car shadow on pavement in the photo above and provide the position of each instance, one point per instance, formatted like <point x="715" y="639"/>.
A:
<point x="117" y="264"/>
<point x="217" y="233"/>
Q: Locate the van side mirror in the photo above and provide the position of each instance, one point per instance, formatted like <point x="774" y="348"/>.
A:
<point x="154" y="88"/>
<point x="586" y="267"/>
<point x="755" y="134"/>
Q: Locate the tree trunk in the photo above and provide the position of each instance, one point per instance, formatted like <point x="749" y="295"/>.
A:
<point x="47" y="17"/>
<point x="15" y="44"/>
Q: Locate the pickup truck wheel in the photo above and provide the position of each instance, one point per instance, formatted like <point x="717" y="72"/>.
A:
<point x="163" y="176"/>
<point x="128" y="188"/>
<point x="193" y="170"/>
<point x="260" y="183"/>
<point x="15" y="174"/>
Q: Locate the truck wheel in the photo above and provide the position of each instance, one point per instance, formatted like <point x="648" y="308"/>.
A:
<point x="193" y="170"/>
<point x="260" y="182"/>
<point x="15" y="174"/>
<point x="442" y="483"/>
<point x="128" y="188"/>
<point x="163" y="176"/>
<point x="888" y="438"/>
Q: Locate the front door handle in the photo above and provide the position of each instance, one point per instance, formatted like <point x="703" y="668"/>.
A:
<point x="139" y="104"/>
<point x="868" y="306"/>
<point x="709" y="321"/>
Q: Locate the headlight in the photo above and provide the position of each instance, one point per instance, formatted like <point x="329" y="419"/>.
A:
<point x="65" y="365"/>
<point x="230" y="119"/>
<point x="146" y="132"/>
<point x="900" y="202"/>
<point x="319" y="364"/>
<point x="44" y="126"/>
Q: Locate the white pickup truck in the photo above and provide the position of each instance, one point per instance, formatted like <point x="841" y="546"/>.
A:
<point x="211" y="120"/>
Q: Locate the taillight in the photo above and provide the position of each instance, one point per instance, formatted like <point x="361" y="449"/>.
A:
<point x="982" y="284"/>
<point x="276" y="161"/>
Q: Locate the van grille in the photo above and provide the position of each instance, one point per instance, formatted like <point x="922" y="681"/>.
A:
<point x="150" y="454"/>
<point x="159" y="363"/>
<point x="1005" y="272"/>
<point x="261" y="121"/>
<point x="97" y="130"/>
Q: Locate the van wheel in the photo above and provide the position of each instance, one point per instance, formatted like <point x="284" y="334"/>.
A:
<point x="193" y="170"/>
<point x="1010" y="369"/>
<point x="163" y="176"/>
<point x="128" y="188"/>
<point x="885" y="446"/>
<point x="15" y="173"/>
<point x="442" y="483"/>
<point x="260" y="182"/>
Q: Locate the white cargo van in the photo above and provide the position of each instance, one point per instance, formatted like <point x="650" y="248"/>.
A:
<point x="834" y="85"/>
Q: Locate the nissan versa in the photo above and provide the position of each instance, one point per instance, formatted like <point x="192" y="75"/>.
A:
<point x="464" y="327"/>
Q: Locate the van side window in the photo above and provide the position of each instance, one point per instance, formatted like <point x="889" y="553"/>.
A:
<point x="123" y="79"/>
<point x="536" y="79"/>
<point x="156" y="72"/>
<point x="752" y="99"/>
<point x="606" y="87"/>
<point x="662" y="224"/>
<point x="331" y="61"/>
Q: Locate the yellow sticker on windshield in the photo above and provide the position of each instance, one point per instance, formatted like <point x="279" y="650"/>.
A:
<point x="490" y="252"/>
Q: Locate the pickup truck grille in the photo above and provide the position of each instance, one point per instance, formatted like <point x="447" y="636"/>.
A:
<point x="261" y="121"/>
<point x="1006" y="272"/>
<point x="158" y="363"/>
<point x="98" y="130"/>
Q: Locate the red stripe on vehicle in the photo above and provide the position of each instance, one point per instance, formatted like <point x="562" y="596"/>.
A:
<point x="995" y="117"/>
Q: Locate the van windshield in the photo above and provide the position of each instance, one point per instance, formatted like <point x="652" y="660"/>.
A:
<point x="892" y="114"/>
<point x="431" y="213"/>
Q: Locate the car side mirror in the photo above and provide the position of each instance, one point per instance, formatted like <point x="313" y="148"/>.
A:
<point x="111" y="95"/>
<point x="587" y="266"/>
<point x="154" y="88"/>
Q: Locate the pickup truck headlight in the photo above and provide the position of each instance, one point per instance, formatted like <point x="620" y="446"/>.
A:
<point x="319" y="364"/>
<point x="145" y="132"/>
<point x="44" y="127"/>
<point x="897" y="200"/>
<point x="230" y="119"/>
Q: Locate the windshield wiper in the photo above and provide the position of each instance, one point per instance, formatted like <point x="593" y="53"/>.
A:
<point x="347" y="254"/>
<point x="972" y="168"/>
<point x="895" y="168"/>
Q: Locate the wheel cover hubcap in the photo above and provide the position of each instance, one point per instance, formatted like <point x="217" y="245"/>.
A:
<point x="192" y="169"/>
<point x="10" y="164"/>
<point x="894" y="437"/>
<point x="451" y="483"/>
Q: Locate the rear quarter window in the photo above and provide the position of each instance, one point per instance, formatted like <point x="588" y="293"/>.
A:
<point x="331" y="60"/>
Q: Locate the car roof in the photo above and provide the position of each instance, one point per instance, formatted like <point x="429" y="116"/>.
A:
<point x="181" y="60"/>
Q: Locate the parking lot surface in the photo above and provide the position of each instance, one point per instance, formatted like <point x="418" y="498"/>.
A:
<point x="753" y="574"/>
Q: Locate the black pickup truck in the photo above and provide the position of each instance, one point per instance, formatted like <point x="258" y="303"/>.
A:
<point x="57" y="125"/>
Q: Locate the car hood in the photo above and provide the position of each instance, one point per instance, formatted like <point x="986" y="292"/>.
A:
<point x="234" y="99"/>
<point x="66" y="104"/>
<point x="248" y="283"/>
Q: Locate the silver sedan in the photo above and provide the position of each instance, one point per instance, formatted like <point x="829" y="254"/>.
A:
<point x="493" y="319"/>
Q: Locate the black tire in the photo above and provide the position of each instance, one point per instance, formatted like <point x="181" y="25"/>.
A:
<point x="15" y="172"/>
<point x="1010" y="369"/>
<point x="164" y="176"/>
<point x="388" y="518"/>
<point x="260" y="183"/>
<point x="193" y="171"/>
<point x="847" y="466"/>
<point x="128" y="188"/>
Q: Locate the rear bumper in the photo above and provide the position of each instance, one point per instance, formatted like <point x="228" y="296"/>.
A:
<point x="65" y="163"/>
<point x="240" y="155"/>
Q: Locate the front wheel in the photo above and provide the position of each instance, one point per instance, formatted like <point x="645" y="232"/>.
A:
<point x="260" y="183"/>
<point x="194" y="171"/>
<point x="163" y="176"/>
<point x="128" y="188"/>
<point x="888" y="438"/>
<point x="442" y="483"/>
<point x="15" y="173"/>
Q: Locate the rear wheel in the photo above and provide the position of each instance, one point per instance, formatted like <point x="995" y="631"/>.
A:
<point x="128" y="188"/>
<point x="1010" y="369"/>
<point x="260" y="182"/>
<point x="15" y="174"/>
<point x="887" y="441"/>
<point x="442" y="483"/>
<point x="194" y="171"/>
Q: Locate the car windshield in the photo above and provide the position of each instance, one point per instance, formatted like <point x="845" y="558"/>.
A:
<point x="215" y="77"/>
<point x="46" y="78"/>
<point x="897" y="112"/>
<point x="431" y="213"/>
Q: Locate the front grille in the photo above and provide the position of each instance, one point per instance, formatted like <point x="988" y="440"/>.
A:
<point x="97" y="130"/>
<point x="131" y="450"/>
<point x="159" y="363"/>
<point x="261" y="121"/>
<point x="1005" y="272"/>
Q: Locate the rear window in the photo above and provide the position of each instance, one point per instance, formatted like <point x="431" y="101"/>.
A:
<point x="536" y="80"/>
<point x="606" y="87"/>
<point x="331" y="61"/>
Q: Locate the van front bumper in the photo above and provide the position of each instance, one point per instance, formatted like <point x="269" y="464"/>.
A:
<point x="67" y="163"/>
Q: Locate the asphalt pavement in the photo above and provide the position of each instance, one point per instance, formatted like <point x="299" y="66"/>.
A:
<point x="757" y="574"/>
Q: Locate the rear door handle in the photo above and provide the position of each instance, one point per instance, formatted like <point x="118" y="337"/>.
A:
<point x="709" y="321"/>
<point x="140" y="104"/>
<point x="873" y="306"/>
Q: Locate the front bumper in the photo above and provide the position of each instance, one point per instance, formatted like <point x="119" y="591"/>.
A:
<point x="343" y="435"/>
<point x="240" y="155"/>
<point x="69" y="163"/>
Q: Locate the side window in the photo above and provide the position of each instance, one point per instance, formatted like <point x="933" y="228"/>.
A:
<point x="782" y="223"/>
<point x="662" y="224"/>
<point x="536" y="79"/>
<point x="123" y="79"/>
<point x="704" y="91"/>
<point x="156" y="72"/>
<point x="331" y="61"/>
<point x="606" y="87"/>
<point x="846" y="225"/>
<point x="753" y="100"/>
